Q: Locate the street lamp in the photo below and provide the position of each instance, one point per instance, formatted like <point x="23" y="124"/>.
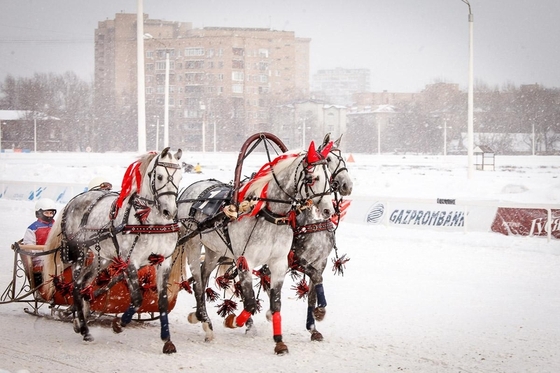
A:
<point x="166" y="93"/>
<point x="470" y="135"/>
<point x="141" y="82"/>
<point x="157" y="132"/>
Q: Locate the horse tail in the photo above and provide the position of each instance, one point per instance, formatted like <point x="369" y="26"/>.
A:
<point x="178" y="271"/>
<point x="52" y="265"/>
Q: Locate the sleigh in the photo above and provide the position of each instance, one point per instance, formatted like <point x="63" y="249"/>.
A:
<point x="27" y="287"/>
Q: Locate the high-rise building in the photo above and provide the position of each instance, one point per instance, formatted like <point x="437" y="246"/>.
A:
<point x="222" y="80"/>
<point x="338" y="85"/>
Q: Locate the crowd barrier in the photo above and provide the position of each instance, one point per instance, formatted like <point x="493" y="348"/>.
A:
<point x="511" y="218"/>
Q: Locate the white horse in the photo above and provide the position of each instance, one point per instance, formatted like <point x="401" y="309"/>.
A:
<point x="277" y="193"/>
<point x="102" y="233"/>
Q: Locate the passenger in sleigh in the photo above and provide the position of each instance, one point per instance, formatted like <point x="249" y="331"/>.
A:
<point x="38" y="231"/>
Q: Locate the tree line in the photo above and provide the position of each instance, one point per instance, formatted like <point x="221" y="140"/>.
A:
<point x="417" y="126"/>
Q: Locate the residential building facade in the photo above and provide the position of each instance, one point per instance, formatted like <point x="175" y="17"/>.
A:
<point x="222" y="81"/>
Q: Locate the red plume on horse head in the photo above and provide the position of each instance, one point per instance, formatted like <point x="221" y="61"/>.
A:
<point x="314" y="156"/>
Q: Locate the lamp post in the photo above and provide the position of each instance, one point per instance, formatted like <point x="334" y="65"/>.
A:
<point x="157" y="133"/>
<point x="141" y="82"/>
<point x="470" y="117"/>
<point x="166" y="93"/>
<point x="203" y="109"/>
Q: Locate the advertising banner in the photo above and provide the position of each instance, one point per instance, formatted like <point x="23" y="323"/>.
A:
<point x="526" y="222"/>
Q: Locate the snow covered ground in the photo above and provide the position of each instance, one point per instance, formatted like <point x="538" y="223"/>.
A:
<point x="410" y="300"/>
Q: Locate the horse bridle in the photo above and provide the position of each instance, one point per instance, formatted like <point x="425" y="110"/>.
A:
<point x="170" y="179"/>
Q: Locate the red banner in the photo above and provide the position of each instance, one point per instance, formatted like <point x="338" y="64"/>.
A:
<point x="526" y="222"/>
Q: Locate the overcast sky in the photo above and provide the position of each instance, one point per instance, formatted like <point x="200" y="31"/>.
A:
<point x="405" y="43"/>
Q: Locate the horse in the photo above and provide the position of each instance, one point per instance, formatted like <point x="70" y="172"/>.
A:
<point x="107" y="235"/>
<point x="314" y="239"/>
<point x="258" y="232"/>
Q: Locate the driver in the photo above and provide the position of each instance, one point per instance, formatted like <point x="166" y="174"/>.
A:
<point x="37" y="232"/>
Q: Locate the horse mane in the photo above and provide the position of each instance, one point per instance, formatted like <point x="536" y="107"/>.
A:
<point x="257" y="186"/>
<point x="132" y="179"/>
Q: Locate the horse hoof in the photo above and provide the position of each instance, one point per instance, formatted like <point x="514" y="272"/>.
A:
<point x="281" y="348"/>
<point x="207" y="327"/>
<point x="192" y="318"/>
<point x="88" y="338"/>
<point x="117" y="326"/>
<point x="319" y="313"/>
<point x="169" y="348"/>
<point x="229" y="321"/>
<point x="316" y="336"/>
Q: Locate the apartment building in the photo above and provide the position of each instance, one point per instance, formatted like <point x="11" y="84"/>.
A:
<point x="222" y="81"/>
<point x="338" y="85"/>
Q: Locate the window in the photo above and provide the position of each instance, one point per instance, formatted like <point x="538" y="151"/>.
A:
<point x="194" y="51"/>
<point x="210" y="64"/>
<point x="237" y="64"/>
<point x="195" y="64"/>
<point x="263" y="53"/>
<point x="237" y="76"/>
<point x="149" y="54"/>
<point x="238" y="51"/>
<point x="150" y="67"/>
<point x="237" y="88"/>
<point x="263" y="66"/>
<point x="220" y="77"/>
<point x="148" y="90"/>
<point x="263" y="78"/>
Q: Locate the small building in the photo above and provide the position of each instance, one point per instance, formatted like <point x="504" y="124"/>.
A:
<point x="484" y="158"/>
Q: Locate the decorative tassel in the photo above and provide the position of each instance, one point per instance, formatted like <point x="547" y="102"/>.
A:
<point x="242" y="264"/>
<point x="146" y="282"/>
<point x="301" y="289"/>
<point x="223" y="282"/>
<point x="263" y="274"/>
<point x="87" y="292"/>
<point x="66" y="288"/>
<point x="339" y="265"/>
<point x="117" y="266"/>
<point x="258" y="305"/>
<point x="226" y="308"/>
<point x="142" y="210"/>
<point x="186" y="285"/>
<point x="237" y="290"/>
<point x="155" y="259"/>
<point x="211" y="295"/>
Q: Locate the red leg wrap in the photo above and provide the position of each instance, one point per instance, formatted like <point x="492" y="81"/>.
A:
<point x="276" y="324"/>
<point x="242" y="318"/>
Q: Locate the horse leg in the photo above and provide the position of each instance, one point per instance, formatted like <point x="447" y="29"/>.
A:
<point x="135" y="300"/>
<point x="310" y="323"/>
<point x="249" y="302"/>
<point x="201" y="273"/>
<point x="163" y="307"/>
<point x="79" y="278"/>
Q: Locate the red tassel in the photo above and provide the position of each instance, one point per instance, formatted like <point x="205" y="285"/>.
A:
<point x="339" y="265"/>
<point x="264" y="278"/>
<point x="223" y="282"/>
<point x="186" y="285"/>
<point x="147" y="282"/>
<point x="227" y="307"/>
<point x="237" y="290"/>
<point x="87" y="292"/>
<point x="301" y="289"/>
<point x="156" y="259"/>
<point x="66" y="288"/>
<point x="211" y="295"/>
<point x="242" y="264"/>
<point x="117" y="266"/>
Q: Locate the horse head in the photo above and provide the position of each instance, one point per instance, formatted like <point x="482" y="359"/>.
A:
<point x="341" y="181"/>
<point x="162" y="181"/>
<point x="316" y="185"/>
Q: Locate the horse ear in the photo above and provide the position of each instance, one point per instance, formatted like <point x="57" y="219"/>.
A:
<point x="327" y="139"/>
<point x="326" y="150"/>
<point x="164" y="152"/>
<point x="312" y="155"/>
<point x="178" y="154"/>
<point x="337" y="142"/>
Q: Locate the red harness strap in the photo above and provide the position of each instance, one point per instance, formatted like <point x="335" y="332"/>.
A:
<point x="151" y="229"/>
